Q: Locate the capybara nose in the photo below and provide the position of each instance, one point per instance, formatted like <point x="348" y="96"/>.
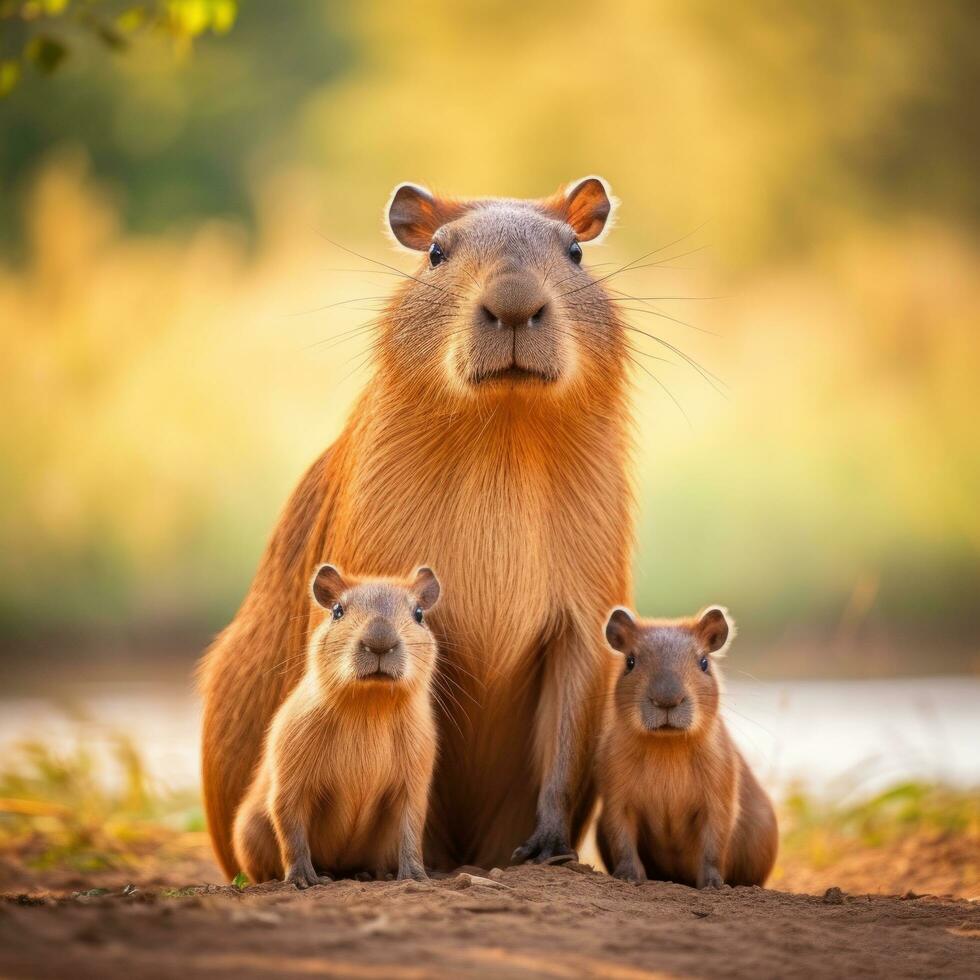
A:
<point x="667" y="701"/>
<point x="511" y="302"/>
<point x="379" y="637"/>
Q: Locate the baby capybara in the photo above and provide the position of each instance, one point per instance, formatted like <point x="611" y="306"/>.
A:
<point x="343" y="783"/>
<point x="679" y="802"/>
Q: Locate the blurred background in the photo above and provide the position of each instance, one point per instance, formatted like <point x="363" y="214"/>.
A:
<point x="190" y="227"/>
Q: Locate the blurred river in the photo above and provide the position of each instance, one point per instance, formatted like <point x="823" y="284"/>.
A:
<point x="840" y="737"/>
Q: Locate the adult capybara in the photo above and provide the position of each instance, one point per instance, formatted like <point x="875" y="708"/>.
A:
<point x="490" y="443"/>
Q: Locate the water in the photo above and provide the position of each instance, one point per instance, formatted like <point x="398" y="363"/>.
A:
<point x="840" y="737"/>
<point x="835" y="736"/>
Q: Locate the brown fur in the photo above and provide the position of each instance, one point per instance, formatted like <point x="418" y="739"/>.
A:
<point x="678" y="804"/>
<point x="500" y="457"/>
<point x="344" y="778"/>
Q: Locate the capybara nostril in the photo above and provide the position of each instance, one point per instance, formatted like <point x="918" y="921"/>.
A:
<point x="536" y="318"/>
<point x="489" y="316"/>
<point x="377" y="651"/>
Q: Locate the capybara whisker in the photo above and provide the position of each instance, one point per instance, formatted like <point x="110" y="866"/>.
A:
<point x="708" y="376"/>
<point x="632" y="266"/>
<point x="662" y="264"/>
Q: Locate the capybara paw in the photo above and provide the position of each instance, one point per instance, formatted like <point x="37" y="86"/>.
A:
<point x="630" y="873"/>
<point x="413" y="872"/>
<point x="303" y="877"/>
<point x="711" y="879"/>
<point x="544" y="845"/>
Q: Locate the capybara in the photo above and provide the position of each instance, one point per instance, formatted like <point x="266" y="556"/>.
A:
<point x="679" y="802"/>
<point x="492" y="441"/>
<point x="343" y="784"/>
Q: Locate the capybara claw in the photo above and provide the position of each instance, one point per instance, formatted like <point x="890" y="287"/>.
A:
<point x="561" y="858"/>
<point x="631" y="875"/>
<point x="711" y="879"/>
<point x="302" y="877"/>
<point x="545" y="846"/>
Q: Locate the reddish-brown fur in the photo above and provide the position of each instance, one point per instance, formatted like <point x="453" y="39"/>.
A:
<point x="497" y="454"/>
<point x="678" y="803"/>
<point x="343" y="783"/>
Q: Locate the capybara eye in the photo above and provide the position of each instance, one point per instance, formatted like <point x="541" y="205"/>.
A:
<point x="630" y="663"/>
<point x="703" y="664"/>
<point x="575" y="252"/>
<point x="436" y="255"/>
<point x="338" y="611"/>
<point x="419" y="615"/>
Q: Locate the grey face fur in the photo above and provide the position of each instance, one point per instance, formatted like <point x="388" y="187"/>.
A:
<point x="670" y="681"/>
<point x="672" y="693"/>
<point x="377" y="651"/>
<point x="516" y="324"/>
<point x="377" y="626"/>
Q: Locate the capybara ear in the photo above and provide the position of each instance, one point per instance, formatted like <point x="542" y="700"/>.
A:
<point x="621" y="629"/>
<point x="715" y="630"/>
<point x="328" y="584"/>
<point x="588" y="205"/>
<point x="415" y="215"/>
<point x="426" y="587"/>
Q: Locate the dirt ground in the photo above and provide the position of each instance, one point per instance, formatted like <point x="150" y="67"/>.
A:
<point x="559" y="921"/>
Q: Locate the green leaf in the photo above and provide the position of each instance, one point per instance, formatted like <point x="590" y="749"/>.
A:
<point x="240" y="881"/>
<point x="46" y="53"/>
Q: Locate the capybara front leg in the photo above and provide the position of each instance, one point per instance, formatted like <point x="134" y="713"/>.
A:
<point x="294" y="844"/>
<point x="620" y="830"/>
<point x="255" y="843"/>
<point x="566" y="727"/>
<point x="410" y="842"/>
<point x="713" y="841"/>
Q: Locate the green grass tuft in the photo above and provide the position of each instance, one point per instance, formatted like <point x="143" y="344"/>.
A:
<point x="816" y="830"/>
<point x="57" y="810"/>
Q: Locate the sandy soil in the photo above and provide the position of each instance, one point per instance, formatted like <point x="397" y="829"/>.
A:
<point x="528" y="921"/>
<point x="945" y="864"/>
